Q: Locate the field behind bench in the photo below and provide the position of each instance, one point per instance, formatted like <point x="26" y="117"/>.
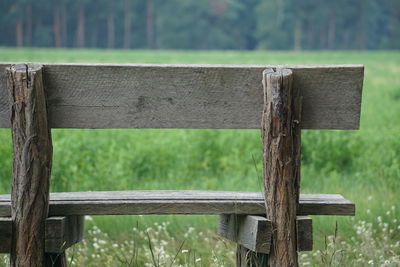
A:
<point x="363" y="165"/>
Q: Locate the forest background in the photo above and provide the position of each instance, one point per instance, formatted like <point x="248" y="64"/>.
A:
<point x="190" y="24"/>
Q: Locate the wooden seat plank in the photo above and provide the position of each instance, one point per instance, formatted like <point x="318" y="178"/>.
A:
<point x="188" y="96"/>
<point x="180" y="202"/>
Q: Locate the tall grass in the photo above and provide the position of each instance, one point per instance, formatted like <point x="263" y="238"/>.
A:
<point x="363" y="165"/>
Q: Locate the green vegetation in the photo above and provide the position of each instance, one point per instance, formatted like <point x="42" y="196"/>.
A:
<point x="363" y="165"/>
<point x="209" y="24"/>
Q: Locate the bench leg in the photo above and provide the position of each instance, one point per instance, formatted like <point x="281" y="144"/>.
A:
<point x="32" y="157"/>
<point x="247" y="258"/>
<point x="281" y="163"/>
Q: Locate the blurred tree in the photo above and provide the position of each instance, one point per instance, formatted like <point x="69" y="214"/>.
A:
<point x="57" y="22"/>
<point x="207" y="24"/>
<point x="80" y="24"/>
<point x="274" y="24"/>
<point x="128" y="12"/>
<point x="391" y="17"/>
<point x="150" y="23"/>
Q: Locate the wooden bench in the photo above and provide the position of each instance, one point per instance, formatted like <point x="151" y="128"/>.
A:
<point x="161" y="96"/>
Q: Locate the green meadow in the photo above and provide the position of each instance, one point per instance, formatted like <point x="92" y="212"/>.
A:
<point x="362" y="165"/>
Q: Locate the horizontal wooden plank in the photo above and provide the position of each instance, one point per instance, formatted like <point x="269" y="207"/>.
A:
<point x="180" y="202"/>
<point x="61" y="233"/>
<point x="254" y="232"/>
<point x="188" y="96"/>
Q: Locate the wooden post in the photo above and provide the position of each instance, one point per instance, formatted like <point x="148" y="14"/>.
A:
<point x="31" y="164"/>
<point x="281" y="168"/>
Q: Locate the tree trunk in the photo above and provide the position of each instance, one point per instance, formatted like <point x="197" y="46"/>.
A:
<point x="280" y="13"/>
<point x="19" y="33"/>
<point x="346" y="40"/>
<point x="150" y="24"/>
<point x="127" y="24"/>
<point x="64" y="24"/>
<point x="297" y="35"/>
<point x="94" y="36"/>
<point x="360" y="35"/>
<point x="31" y="164"/>
<point x="80" y="30"/>
<point x="310" y="36"/>
<point x="57" y="27"/>
<point x="331" y="33"/>
<point x="110" y="31"/>
<point x="322" y="37"/>
<point x="28" y="27"/>
<point x="281" y="168"/>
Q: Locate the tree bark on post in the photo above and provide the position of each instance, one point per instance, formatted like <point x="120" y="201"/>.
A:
<point x="281" y="167"/>
<point x="31" y="164"/>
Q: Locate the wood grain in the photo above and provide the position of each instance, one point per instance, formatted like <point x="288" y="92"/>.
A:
<point x="304" y="233"/>
<point x="60" y="234"/>
<point x="32" y="157"/>
<point x="249" y="231"/>
<point x="63" y="232"/>
<point x="281" y="163"/>
<point x="254" y="232"/>
<point x="5" y="234"/>
<point x="189" y="96"/>
<point x="180" y="202"/>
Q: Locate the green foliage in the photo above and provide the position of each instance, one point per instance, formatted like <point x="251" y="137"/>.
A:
<point x="209" y="24"/>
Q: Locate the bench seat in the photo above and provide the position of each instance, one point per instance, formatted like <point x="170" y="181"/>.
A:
<point x="179" y="202"/>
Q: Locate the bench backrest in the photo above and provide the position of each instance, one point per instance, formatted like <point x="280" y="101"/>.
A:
<point x="188" y="96"/>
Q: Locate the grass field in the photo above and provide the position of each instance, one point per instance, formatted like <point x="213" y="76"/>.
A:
<point x="363" y="165"/>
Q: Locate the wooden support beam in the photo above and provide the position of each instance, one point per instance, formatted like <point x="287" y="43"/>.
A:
<point x="5" y="234"/>
<point x="254" y="232"/>
<point x="60" y="233"/>
<point x="251" y="232"/>
<point x="304" y="233"/>
<point x="31" y="164"/>
<point x="63" y="232"/>
<point x="281" y="168"/>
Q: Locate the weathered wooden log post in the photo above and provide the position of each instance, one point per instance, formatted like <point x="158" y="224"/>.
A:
<point x="281" y="168"/>
<point x="31" y="164"/>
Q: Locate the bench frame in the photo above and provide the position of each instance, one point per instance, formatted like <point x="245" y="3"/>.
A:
<point x="295" y="97"/>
